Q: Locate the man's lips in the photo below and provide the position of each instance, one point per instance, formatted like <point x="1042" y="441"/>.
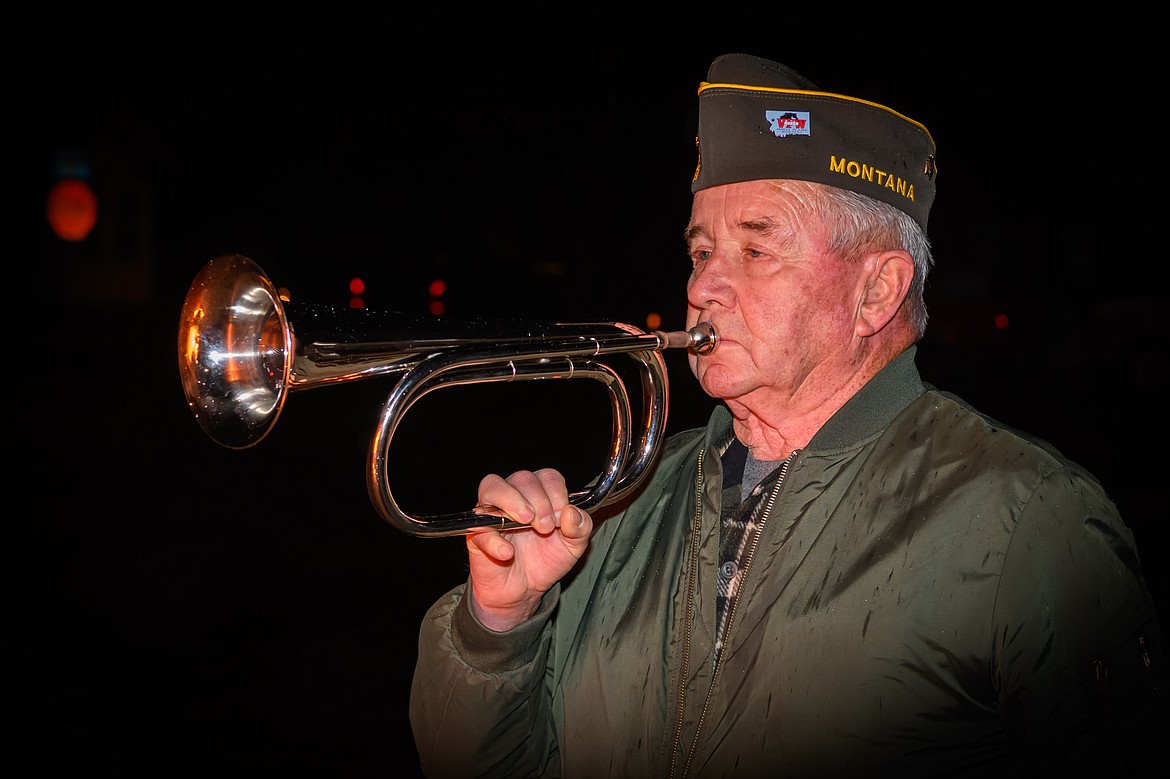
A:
<point x="724" y="337"/>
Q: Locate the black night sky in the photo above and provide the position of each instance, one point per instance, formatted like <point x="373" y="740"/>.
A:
<point x="181" y="608"/>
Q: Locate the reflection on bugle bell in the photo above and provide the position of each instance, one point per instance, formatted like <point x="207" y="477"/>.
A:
<point x="240" y="355"/>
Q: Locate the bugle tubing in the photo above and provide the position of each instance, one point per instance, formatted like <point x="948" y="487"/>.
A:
<point x="241" y="355"/>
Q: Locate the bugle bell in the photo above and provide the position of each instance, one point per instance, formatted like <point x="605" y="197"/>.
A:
<point x="240" y="355"/>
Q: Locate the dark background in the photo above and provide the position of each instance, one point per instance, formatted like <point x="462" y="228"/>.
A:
<point x="178" y="607"/>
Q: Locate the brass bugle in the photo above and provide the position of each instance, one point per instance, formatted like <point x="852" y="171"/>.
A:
<point x="240" y="355"/>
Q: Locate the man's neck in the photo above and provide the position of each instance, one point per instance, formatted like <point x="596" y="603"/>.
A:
<point x="773" y="424"/>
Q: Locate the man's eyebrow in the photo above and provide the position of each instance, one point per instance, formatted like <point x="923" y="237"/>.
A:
<point x="692" y="232"/>
<point x="764" y="226"/>
<point x="767" y="226"/>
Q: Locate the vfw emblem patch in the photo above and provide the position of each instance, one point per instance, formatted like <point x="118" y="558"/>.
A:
<point x="783" y="123"/>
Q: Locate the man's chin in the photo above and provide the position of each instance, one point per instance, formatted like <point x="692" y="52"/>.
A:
<point x="719" y="383"/>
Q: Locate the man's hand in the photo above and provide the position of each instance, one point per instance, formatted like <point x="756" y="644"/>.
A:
<point x="512" y="570"/>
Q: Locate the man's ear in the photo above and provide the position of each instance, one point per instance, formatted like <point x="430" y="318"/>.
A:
<point x="887" y="281"/>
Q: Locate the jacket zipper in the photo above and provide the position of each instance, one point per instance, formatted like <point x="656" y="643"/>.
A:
<point x="751" y="553"/>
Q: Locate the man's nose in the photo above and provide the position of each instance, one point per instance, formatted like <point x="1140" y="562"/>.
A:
<point x="710" y="283"/>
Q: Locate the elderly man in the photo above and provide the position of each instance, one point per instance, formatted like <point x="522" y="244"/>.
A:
<point x="847" y="571"/>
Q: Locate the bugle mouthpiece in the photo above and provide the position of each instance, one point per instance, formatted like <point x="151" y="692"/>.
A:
<point x="700" y="339"/>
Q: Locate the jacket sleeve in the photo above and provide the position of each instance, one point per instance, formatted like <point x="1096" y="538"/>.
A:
<point x="477" y="702"/>
<point x="1080" y="656"/>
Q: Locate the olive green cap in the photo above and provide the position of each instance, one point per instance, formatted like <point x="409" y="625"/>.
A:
<point x="762" y="120"/>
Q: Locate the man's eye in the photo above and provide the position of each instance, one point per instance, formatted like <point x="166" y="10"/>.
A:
<point x="700" y="255"/>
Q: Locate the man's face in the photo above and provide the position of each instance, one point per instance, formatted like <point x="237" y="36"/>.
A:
<point x="784" y="308"/>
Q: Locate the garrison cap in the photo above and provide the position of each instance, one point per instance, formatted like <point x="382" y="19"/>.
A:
<point x="762" y="120"/>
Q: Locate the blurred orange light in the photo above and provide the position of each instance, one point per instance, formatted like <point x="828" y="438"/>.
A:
<point x="1001" y="321"/>
<point x="357" y="286"/>
<point x="437" y="288"/>
<point x="72" y="209"/>
<point x="653" y="321"/>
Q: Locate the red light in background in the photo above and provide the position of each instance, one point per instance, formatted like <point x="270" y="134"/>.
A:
<point x="71" y="209"/>
<point x="1001" y="321"/>
<point x="356" y="286"/>
<point x="437" y="288"/>
<point x="356" y="302"/>
<point x="653" y="321"/>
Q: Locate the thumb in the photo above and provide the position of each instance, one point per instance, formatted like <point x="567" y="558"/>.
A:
<point x="576" y="526"/>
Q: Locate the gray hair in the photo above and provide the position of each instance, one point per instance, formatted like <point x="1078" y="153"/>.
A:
<point x="859" y="224"/>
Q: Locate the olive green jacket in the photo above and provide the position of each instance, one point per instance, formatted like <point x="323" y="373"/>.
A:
<point x="932" y="593"/>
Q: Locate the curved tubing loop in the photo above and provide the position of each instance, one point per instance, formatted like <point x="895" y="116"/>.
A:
<point x="479" y="364"/>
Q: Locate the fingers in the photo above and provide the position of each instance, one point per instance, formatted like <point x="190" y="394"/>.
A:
<point x="527" y="497"/>
<point x="513" y="568"/>
<point x="492" y="544"/>
<point x="557" y="496"/>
